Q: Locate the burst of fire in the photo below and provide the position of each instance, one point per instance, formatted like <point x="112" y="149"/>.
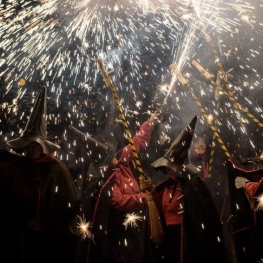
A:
<point x="260" y="202"/>
<point x="84" y="228"/>
<point x="131" y="219"/>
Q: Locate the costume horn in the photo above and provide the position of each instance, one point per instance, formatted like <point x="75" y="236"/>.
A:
<point x="178" y="151"/>
<point x="176" y="158"/>
<point x="36" y="127"/>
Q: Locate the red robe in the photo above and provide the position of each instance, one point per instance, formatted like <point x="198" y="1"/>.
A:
<point x="192" y="227"/>
<point x="113" y="195"/>
<point x="247" y="218"/>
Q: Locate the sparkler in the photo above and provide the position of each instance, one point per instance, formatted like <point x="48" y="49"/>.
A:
<point x="131" y="220"/>
<point x="260" y="202"/>
<point x="85" y="228"/>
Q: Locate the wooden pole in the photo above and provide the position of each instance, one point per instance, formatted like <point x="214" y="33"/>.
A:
<point x="154" y="217"/>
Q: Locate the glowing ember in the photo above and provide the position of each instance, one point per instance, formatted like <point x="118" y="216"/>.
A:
<point x="84" y="228"/>
<point x="131" y="220"/>
<point x="260" y="202"/>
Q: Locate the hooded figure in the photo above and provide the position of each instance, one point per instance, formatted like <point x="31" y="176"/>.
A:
<point x="36" y="127"/>
<point x="199" y="153"/>
<point x="41" y="198"/>
<point x="245" y="191"/>
<point x="192" y="228"/>
<point x="110" y="192"/>
<point x="100" y="150"/>
<point x="208" y="157"/>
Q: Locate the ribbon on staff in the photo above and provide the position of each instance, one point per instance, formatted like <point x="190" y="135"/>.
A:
<point x="229" y="94"/>
<point x="154" y="217"/>
<point x="212" y="127"/>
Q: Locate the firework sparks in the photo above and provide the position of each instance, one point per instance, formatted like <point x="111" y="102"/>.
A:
<point x="84" y="229"/>
<point x="260" y="202"/>
<point x="97" y="20"/>
<point x="58" y="41"/>
<point x="131" y="220"/>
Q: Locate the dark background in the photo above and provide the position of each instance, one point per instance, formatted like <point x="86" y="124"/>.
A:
<point x="57" y="43"/>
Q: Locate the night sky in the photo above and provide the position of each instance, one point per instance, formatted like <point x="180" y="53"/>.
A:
<point x="57" y="43"/>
